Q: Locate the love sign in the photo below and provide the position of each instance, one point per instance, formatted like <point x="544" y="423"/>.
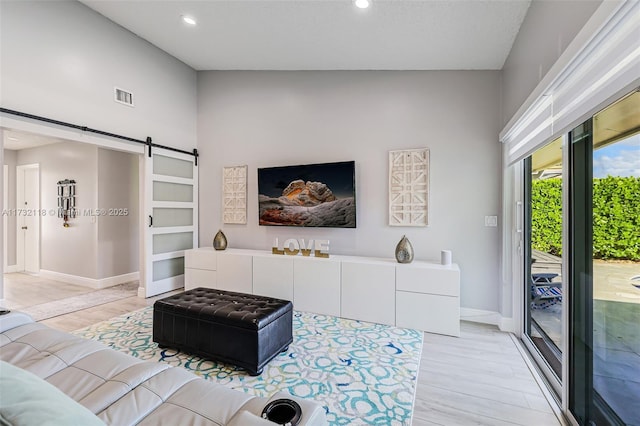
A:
<point x="293" y="247"/>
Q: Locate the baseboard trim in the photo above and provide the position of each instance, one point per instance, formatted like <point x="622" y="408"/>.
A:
<point x="142" y="292"/>
<point x="507" y="324"/>
<point x="90" y="282"/>
<point x="71" y="279"/>
<point x="480" y="315"/>
<point x="10" y="269"/>
<point x="119" y="279"/>
<point x="487" y="317"/>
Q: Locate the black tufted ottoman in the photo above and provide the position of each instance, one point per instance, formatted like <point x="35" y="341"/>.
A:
<point x="241" y="329"/>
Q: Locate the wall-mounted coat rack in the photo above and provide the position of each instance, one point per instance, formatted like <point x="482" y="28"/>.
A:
<point x="66" y="200"/>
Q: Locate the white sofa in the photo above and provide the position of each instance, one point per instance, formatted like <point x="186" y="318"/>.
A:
<point x="120" y="389"/>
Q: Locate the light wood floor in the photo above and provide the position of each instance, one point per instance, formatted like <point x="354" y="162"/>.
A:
<point x="22" y="290"/>
<point x="479" y="378"/>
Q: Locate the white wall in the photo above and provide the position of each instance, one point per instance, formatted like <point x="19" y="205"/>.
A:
<point x="266" y="119"/>
<point x="118" y="249"/>
<point x="61" y="60"/>
<point x="71" y="250"/>
<point x="547" y="30"/>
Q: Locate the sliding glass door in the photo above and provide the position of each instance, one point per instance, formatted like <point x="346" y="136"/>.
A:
<point x="543" y="251"/>
<point x="582" y="265"/>
<point x="604" y="266"/>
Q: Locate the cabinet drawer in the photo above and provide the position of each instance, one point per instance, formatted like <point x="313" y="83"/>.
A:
<point x="431" y="280"/>
<point x="199" y="278"/>
<point x="369" y="292"/>
<point x="273" y="276"/>
<point x="316" y="285"/>
<point x="235" y="272"/>
<point x="202" y="258"/>
<point x="428" y="312"/>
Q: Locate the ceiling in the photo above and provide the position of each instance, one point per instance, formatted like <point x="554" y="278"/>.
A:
<point x="16" y="140"/>
<point x="326" y="34"/>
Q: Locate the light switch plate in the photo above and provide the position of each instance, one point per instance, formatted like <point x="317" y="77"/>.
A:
<point x="491" y="221"/>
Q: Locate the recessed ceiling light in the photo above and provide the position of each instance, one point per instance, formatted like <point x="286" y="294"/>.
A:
<point x="362" y="4"/>
<point x="189" y="20"/>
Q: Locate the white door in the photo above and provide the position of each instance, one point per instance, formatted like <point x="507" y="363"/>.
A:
<point x="171" y="207"/>
<point x="28" y="218"/>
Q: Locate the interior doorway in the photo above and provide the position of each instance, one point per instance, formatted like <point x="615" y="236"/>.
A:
<point x="97" y="244"/>
<point x="27" y="215"/>
<point x="161" y="244"/>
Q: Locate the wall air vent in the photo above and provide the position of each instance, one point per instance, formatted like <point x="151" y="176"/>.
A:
<point x="124" y="97"/>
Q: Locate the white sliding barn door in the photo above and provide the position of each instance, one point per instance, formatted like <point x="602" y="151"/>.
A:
<point x="171" y="207"/>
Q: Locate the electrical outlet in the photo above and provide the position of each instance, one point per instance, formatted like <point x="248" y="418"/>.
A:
<point x="491" y="221"/>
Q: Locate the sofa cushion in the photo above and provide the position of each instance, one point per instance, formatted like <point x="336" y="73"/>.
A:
<point x="120" y="389"/>
<point x="26" y="399"/>
<point x="13" y="319"/>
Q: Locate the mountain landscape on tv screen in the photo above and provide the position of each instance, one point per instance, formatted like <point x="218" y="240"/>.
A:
<point x="307" y="204"/>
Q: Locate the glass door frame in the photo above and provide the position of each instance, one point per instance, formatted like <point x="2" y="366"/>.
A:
<point x="583" y="403"/>
<point x="580" y="270"/>
<point x="576" y="385"/>
<point x="555" y="384"/>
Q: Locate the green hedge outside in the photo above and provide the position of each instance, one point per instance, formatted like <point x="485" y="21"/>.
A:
<point x="616" y="217"/>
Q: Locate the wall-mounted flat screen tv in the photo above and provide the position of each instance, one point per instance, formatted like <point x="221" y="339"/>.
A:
<point x="322" y="195"/>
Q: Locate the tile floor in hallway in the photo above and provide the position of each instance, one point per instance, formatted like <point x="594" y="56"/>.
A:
<point x="479" y="378"/>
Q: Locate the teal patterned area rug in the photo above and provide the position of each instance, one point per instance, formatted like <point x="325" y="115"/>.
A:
<point x="363" y="373"/>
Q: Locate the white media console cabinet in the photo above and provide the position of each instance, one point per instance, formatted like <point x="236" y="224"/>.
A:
<point x="420" y="295"/>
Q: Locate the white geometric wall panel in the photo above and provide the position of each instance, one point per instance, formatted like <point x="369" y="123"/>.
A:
<point x="234" y="194"/>
<point x="409" y="187"/>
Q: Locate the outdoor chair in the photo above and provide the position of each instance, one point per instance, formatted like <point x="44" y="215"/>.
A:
<point x="544" y="291"/>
